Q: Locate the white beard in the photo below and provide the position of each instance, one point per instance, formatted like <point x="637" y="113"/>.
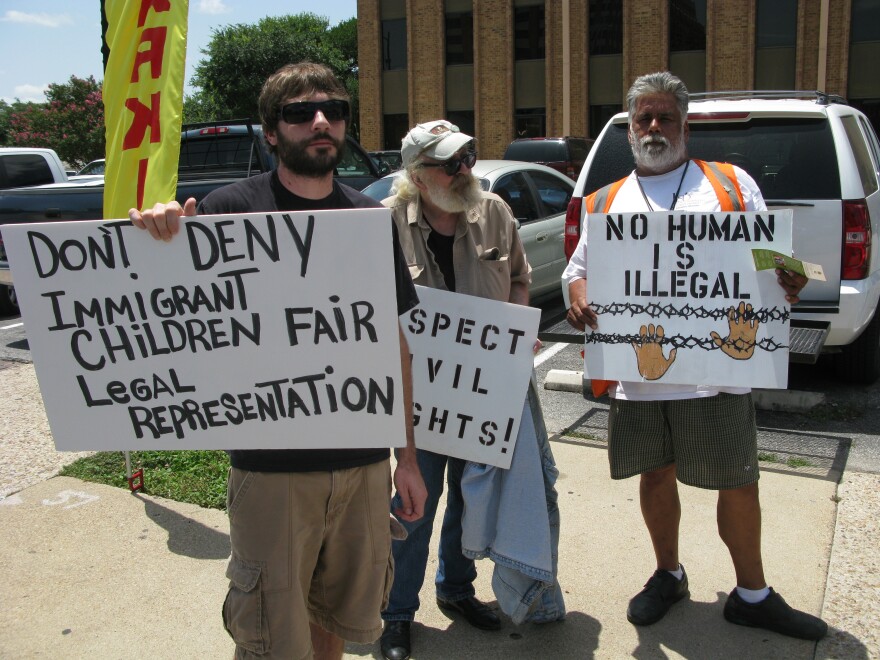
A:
<point x="461" y="195"/>
<point x="656" y="153"/>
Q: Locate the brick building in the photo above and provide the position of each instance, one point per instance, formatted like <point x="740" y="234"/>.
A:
<point x="502" y="69"/>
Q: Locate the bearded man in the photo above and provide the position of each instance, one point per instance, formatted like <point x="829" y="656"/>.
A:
<point x="309" y="528"/>
<point x="458" y="238"/>
<point x="701" y="435"/>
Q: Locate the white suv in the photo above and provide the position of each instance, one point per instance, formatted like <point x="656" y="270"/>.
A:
<point x="812" y="153"/>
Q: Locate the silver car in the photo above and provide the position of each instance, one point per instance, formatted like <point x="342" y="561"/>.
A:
<point x="538" y="197"/>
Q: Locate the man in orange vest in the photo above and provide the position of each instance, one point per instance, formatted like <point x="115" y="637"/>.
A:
<point x="703" y="436"/>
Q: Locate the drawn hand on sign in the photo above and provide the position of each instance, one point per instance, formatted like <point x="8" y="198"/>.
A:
<point x="649" y="351"/>
<point x="743" y="327"/>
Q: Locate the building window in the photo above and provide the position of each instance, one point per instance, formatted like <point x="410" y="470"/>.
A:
<point x="460" y="38"/>
<point x="394" y="44"/>
<point x="606" y="27"/>
<point x="775" y="42"/>
<point x="687" y="25"/>
<point x="530" y="122"/>
<point x="464" y="119"/>
<point x="394" y="127"/>
<point x="528" y="30"/>
<point x="865" y="21"/>
<point x="777" y="24"/>
<point x="863" y="84"/>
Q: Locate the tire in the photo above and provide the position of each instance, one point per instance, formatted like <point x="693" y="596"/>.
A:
<point x="860" y="361"/>
<point x="8" y="301"/>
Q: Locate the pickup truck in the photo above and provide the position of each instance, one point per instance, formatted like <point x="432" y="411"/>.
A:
<point x="211" y="155"/>
<point x="25" y="166"/>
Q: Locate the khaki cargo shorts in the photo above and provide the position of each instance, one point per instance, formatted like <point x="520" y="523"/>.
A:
<point x="307" y="547"/>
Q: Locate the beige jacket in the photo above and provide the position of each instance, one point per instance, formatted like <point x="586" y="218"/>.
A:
<point x="480" y="269"/>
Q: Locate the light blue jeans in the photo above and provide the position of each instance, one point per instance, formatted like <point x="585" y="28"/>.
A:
<point x="455" y="572"/>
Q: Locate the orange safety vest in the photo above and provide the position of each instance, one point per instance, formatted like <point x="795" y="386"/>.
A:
<point x="723" y="180"/>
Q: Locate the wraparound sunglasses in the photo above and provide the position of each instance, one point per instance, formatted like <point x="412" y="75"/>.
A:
<point x="305" y="111"/>
<point x="453" y="165"/>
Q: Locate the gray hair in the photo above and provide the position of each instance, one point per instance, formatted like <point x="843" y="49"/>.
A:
<point x="403" y="185"/>
<point x="661" y="82"/>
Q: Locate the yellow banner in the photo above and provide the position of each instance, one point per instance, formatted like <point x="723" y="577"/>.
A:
<point x="143" y="102"/>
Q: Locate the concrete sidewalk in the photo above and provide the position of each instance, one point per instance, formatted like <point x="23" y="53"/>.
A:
<point x="91" y="571"/>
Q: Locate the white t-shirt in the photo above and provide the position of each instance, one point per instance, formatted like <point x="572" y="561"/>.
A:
<point x="697" y="194"/>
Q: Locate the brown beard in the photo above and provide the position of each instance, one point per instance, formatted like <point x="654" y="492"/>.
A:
<point x="293" y="155"/>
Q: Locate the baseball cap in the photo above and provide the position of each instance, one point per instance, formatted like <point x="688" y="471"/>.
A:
<point x="435" y="139"/>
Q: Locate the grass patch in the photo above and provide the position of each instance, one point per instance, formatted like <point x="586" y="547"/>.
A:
<point x="197" y="477"/>
<point x="791" y="461"/>
<point x="835" y="412"/>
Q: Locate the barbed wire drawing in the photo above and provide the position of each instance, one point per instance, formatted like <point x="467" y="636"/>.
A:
<point x="655" y="310"/>
<point x="678" y="341"/>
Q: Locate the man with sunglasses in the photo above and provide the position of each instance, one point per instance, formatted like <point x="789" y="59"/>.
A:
<point x="459" y="238"/>
<point x="309" y="529"/>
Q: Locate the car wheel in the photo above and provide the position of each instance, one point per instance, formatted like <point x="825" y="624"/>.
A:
<point x="860" y="361"/>
<point x="8" y="301"/>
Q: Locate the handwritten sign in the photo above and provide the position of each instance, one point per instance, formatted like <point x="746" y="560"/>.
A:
<point x="274" y="330"/>
<point x="471" y="363"/>
<point x="680" y="302"/>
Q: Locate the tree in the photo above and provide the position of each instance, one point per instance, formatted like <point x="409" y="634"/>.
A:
<point x="71" y="121"/>
<point x="240" y="57"/>
<point x="344" y="37"/>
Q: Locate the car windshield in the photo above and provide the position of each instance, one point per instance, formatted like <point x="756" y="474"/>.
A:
<point x="536" y="151"/>
<point x="788" y="158"/>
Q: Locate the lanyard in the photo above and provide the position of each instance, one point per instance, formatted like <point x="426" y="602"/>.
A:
<point x="674" y="197"/>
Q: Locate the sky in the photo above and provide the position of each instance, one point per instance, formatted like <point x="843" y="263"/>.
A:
<point x="47" y="41"/>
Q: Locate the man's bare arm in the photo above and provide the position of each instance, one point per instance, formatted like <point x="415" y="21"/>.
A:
<point x="407" y="478"/>
<point x="580" y="314"/>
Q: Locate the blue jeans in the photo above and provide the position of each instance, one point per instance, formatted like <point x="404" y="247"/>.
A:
<point x="455" y="572"/>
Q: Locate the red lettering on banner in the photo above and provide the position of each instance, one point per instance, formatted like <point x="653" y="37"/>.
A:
<point x="157" y="6"/>
<point x="154" y="55"/>
<point x="142" y="181"/>
<point x="144" y="117"/>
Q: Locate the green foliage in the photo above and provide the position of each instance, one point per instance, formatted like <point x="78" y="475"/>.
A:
<point x="71" y="121"/>
<point x="344" y="37"/>
<point x="197" y="477"/>
<point x="197" y="108"/>
<point x="240" y="57"/>
<point x="7" y="113"/>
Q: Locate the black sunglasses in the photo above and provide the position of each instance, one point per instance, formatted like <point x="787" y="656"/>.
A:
<point x="453" y="165"/>
<point x="304" y="111"/>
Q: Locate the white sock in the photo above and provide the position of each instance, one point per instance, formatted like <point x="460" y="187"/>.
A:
<point x="753" y="596"/>
<point x="678" y="574"/>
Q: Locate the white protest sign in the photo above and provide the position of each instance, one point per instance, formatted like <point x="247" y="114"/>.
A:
<point x="471" y="363"/>
<point x="680" y="302"/>
<point x="272" y="330"/>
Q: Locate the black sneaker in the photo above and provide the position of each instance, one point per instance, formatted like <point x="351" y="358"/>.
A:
<point x="661" y="592"/>
<point x="773" y="613"/>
